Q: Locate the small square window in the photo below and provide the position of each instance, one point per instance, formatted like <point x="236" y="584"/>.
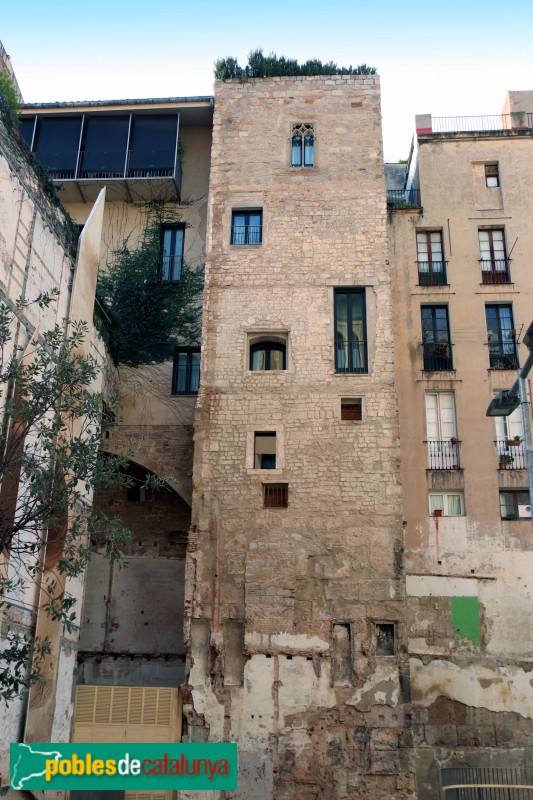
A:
<point x="247" y="227"/>
<point x="186" y="372"/>
<point x="446" y="504"/>
<point x="492" y="176"/>
<point x="352" y="409"/>
<point x="385" y="633"/>
<point x="172" y="242"/>
<point x="265" y="450"/>
<point x="275" y="495"/>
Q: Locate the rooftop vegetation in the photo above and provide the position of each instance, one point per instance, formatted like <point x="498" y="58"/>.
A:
<point x="261" y="66"/>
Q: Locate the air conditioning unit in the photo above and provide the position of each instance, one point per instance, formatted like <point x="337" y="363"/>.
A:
<point x="524" y="511"/>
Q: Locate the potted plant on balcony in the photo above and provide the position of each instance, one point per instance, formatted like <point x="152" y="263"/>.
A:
<point x="437" y="512"/>
<point x="513" y="442"/>
<point x="453" y="440"/>
<point x="505" y="461"/>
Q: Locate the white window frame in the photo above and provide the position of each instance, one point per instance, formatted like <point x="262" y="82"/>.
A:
<point x="445" y="502"/>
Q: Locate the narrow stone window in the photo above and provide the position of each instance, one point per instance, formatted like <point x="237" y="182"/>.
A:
<point x="342" y="655"/>
<point x="303" y="145"/>
<point x="492" y="176"/>
<point x="352" y="409"/>
<point x="275" y="495"/>
<point x="385" y="638"/>
<point x="265" y="450"/>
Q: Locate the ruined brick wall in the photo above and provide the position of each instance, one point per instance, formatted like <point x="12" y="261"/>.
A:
<point x="285" y="603"/>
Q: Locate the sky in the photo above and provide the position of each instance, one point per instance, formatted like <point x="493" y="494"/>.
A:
<point x="448" y="59"/>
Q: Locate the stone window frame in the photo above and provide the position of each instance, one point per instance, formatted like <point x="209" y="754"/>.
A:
<point x="298" y="128"/>
<point x="267" y="333"/>
<point x="347" y="400"/>
<point x="259" y="427"/>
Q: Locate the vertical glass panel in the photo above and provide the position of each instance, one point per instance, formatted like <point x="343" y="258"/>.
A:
<point x="258" y="360"/>
<point x="195" y="372"/>
<point x="181" y="381"/>
<point x="296" y="159"/>
<point x="58" y="141"/>
<point x="309" y="150"/>
<point x="153" y="146"/>
<point x="172" y="254"/>
<point x="506" y="504"/>
<point x="254" y="228"/>
<point x="277" y="358"/>
<point x="436" y="248"/>
<point x="106" y="142"/>
<point x="454" y="505"/>
<point x="341" y="332"/>
<point x="26" y="127"/>
<point x="436" y="501"/>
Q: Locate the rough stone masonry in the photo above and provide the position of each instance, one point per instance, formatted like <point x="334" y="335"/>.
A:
<point x="287" y="606"/>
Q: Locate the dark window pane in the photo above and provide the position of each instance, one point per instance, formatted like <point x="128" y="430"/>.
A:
<point x="57" y="144"/>
<point x="309" y="151"/>
<point x="296" y="151"/>
<point x="172" y="253"/>
<point x="153" y="146"/>
<point x="106" y="141"/>
<point x="350" y="331"/>
<point x="186" y="374"/>
<point x="27" y="125"/>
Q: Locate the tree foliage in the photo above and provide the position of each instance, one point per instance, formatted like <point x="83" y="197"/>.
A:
<point x="261" y="66"/>
<point x="141" y="317"/>
<point x="10" y="95"/>
<point x="50" y="466"/>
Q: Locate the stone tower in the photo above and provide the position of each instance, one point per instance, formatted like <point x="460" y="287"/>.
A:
<point x="294" y="585"/>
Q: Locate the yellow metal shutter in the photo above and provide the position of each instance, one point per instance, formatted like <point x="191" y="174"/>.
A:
<point x="127" y="714"/>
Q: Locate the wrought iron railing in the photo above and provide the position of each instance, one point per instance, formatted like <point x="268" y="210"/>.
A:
<point x="403" y="198"/>
<point x="511" y="454"/>
<point x="113" y="164"/>
<point x="437" y="356"/>
<point x="495" y="271"/>
<point x="350" y="356"/>
<point x="246" y="234"/>
<point x="486" y="122"/>
<point x="487" y="783"/>
<point x="503" y="355"/>
<point x="443" y="453"/>
<point x="432" y="273"/>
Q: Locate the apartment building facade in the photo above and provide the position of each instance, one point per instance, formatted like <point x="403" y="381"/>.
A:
<point x="460" y="243"/>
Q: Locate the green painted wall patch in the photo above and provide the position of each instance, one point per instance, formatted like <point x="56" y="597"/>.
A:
<point x="465" y="619"/>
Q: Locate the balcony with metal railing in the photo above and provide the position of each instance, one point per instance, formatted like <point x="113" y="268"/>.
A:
<point x="511" y="454"/>
<point x="432" y="273"/>
<point x="246" y="234"/>
<point x="403" y="198"/>
<point x="351" y="356"/>
<point x="495" y="271"/>
<point x="503" y="355"/>
<point x="443" y="454"/>
<point x="483" y="123"/>
<point x="437" y="356"/>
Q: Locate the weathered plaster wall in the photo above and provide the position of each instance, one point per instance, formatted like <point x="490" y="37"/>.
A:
<point x="282" y="602"/>
<point x="34" y="258"/>
<point x="469" y="588"/>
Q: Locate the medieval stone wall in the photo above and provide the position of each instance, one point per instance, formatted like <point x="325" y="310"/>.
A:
<point x="286" y="603"/>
